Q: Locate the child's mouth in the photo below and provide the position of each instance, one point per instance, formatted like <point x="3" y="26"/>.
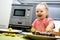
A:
<point x="39" y="15"/>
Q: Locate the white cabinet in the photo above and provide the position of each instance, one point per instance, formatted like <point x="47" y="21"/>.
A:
<point x="5" y="9"/>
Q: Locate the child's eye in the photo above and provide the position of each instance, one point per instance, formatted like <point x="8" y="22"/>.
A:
<point x="41" y="11"/>
<point x="37" y="11"/>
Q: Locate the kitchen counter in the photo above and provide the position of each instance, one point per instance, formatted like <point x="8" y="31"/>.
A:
<point x="27" y="35"/>
<point x="11" y="38"/>
<point x="13" y="30"/>
<point x="6" y="35"/>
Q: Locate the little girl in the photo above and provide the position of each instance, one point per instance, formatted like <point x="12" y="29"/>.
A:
<point x="42" y="23"/>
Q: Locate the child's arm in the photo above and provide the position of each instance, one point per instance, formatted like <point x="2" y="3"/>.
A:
<point x="50" y="27"/>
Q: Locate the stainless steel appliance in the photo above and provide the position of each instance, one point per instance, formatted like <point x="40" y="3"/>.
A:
<point x="21" y="16"/>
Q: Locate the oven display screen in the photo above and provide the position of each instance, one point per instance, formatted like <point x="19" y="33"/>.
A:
<point x="19" y="12"/>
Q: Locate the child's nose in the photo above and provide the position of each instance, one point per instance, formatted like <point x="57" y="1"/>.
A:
<point x="40" y="13"/>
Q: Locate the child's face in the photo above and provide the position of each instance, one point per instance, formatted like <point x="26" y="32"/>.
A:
<point x="41" y="12"/>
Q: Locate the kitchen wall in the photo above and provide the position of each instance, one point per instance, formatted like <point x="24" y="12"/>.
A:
<point x="57" y="25"/>
<point x="5" y="9"/>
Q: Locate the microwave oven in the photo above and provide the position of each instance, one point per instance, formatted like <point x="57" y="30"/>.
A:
<point x="21" y="15"/>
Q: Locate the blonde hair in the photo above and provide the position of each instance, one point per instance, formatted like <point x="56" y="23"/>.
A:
<point x="44" y="4"/>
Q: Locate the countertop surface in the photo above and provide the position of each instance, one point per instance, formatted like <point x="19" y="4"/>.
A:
<point x="13" y="30"/>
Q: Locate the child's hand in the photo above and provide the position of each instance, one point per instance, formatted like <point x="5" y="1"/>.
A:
<point x="49" y="30"/>
<point x="33" y="29"/>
